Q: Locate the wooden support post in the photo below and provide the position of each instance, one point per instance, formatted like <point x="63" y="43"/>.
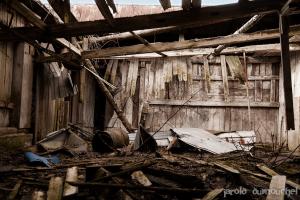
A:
<point x="286" y="65"/>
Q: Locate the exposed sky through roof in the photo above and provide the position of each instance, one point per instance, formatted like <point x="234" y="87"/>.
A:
<point x="152" y="2"/>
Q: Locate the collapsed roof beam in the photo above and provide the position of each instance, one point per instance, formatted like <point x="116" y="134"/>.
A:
<point x="27" y="13"/>
<point x="147" y="44"/>
<point x="249" y="24"/>
<point x="200" y="16"/>
<point x="104" y="9"/>
<point x="181" y="45"/>
<point x="60" y="7"/>
<point x="188" y="44"/>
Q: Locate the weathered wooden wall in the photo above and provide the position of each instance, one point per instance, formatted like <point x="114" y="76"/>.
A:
<point x="166" y="84"/>
<point x="56" y="105"/>
<point x="16" y="71"/>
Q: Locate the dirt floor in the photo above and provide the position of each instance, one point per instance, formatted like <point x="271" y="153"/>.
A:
<point x="176" y="175"/>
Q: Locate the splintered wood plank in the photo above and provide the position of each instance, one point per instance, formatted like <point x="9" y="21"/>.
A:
<point x="71" y="176"/>
<point x="114" y="72"/>
<point x="189" y="78"/>
<point x="225" y="78"/>
<point x="108" y="69"/>
<point x="140" y="177"/>
<point x="271" y="172"/>
<point x="142" y="88"/>
<point x="236" y="68"/>
<point x="55" y="189"/>
<point x="174" y="66"/>
<point x="134" y="76"/>
<point x="130" y="76"/>
<point x="184" y="69"/>
<point x="151" y="78"/>
<point x="206" y="75"/>
<point x="236" y="122"/>
<point x="277" y="187"/>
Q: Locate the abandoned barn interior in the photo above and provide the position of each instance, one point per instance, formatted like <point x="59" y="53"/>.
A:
<point x="185" y="101"/>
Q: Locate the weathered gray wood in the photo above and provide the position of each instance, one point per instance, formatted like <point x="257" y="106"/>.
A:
<point x="72" y="175"/>
<point x="213" y="104"/>
<point x="249" y="24"/>
<point x="55" y="189"/>
<point x="27" y="13"/>
<point x="224" y="76"/>
<point x="271" y="172"/>
<point x="277" y="188"/>
<point x="187" y="44"/>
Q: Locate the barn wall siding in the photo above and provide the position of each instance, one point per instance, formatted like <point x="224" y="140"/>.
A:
<point x="166" y="84"/>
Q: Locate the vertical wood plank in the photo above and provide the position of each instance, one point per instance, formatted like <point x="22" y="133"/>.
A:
<point x="225" y="78"/>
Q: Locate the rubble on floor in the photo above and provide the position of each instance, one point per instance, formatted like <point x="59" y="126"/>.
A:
<point x="180" y="173"/>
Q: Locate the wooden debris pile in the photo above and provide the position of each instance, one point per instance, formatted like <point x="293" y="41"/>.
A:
<point x="160" y="175"/>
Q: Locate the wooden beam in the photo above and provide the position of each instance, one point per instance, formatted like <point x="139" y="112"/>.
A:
<point x="147" y="44"/>
<point x="165" y="4"/>
<point x="59" y="7"/>
<point x="200" y="16"/>
<point x="128" y="35"/>
<point x="67" y="11"/>
<point x="104" y="9"/>
<point x="27" y="13"/>
<point x="274" y="49"/>
<point x="249" y="24"/>
<point x="41" y="10"/>
<point x="68" y="45"/>
<point x="286" y="64"/>
<point x="213" y="104"/>
<point x="112" y="5"/>
<point x="187" y="44"/>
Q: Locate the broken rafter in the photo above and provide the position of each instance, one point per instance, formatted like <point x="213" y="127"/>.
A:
<point x="104" y="9"/>
<point x="187" y="44"/>
<point x="147" y="44"/>
<point x="27" y="13"/>
<point x="249" y="24"/>
<point x="58" y="6"/>
<point x="165" y="4"/>
<point x="199" y="16"/>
